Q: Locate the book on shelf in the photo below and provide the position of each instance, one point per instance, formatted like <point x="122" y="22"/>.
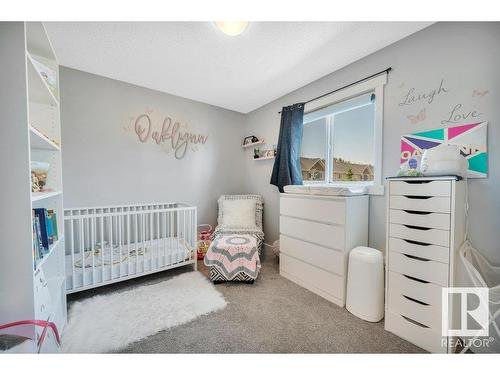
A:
<point x="36" y="243"/>
<point x="45" y="232"/>
<point x="53" y="220"/>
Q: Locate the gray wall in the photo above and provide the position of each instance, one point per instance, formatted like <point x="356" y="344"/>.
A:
<point x="467" y="57"/>
<point x="105" y="164"/>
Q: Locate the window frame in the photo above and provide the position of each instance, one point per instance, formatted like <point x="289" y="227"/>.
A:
<point x="375" y="85"/>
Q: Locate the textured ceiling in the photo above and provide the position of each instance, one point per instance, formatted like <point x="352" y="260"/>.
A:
<point x="196" y="61"/>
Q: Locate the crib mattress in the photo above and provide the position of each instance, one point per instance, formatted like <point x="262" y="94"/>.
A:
<point x="126" y="261"/>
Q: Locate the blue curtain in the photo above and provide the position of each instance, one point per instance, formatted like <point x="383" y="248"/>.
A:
<point x="287" y="170"/>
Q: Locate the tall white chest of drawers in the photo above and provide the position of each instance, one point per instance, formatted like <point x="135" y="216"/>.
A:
<point x="425" y="229"/>
<point x="316" y="235"/>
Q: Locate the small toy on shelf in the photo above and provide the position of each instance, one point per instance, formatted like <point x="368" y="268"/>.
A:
<point x="249" y="140"/>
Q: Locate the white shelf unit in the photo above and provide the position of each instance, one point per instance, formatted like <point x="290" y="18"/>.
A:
<point x="31" y="131"/>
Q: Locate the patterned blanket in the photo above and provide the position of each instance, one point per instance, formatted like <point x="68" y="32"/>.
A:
<point x="256" y="232"/>
<point x="234" y="255"/>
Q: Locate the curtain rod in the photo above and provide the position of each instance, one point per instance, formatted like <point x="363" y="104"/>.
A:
<point x="349" y="85"/>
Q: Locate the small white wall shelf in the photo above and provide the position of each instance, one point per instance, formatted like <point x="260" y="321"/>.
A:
<point x="264" y="158"/>
<point x="262" y="141"/>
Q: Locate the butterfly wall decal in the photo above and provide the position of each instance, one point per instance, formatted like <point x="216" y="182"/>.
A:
<point x="479" y="93"/>
<point x="419" y="117"/>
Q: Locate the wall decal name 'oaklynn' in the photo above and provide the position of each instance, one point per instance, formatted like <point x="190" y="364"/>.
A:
<point x="170" y="131"/>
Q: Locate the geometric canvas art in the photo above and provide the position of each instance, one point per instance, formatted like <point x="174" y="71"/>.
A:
<point x="471" y="139"/>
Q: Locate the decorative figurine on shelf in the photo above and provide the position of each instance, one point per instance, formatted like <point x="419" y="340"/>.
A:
<point x="256" y="153"/>
<point x="250" y="139"/>
<point x="35" y="184"/>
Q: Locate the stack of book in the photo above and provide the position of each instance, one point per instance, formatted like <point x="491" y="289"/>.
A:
<point x="44" y="232"/>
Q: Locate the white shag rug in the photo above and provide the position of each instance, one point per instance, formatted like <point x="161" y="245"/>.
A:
<point x="109" y="322"/>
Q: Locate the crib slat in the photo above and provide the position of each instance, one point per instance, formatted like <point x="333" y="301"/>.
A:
<point x="128" y="241"/>
<point x="143" y="230"/>
<point x="195" y="237"/>
<point x="111" y="247"/>
<point x="182" y="257"/>
<point x="171" y="247"/>
<point x="164" y="238"/>
<point x="73" y="278"/>
<point x="136" y="243"/>
<point x="102" y="249"/>
<point x="120" y="245"/>
<point x="158" y="256"/>
<point x="92" y="248"/>
<point x="150" y="221"/>
<point x="82" y="251"/>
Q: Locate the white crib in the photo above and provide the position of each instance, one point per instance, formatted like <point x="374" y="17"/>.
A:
<point x="105" y="245"/>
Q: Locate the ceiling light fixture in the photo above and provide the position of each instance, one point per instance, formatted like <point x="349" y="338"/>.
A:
<point x="232" y="28"/>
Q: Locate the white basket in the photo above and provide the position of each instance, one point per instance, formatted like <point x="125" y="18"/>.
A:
<point x="480" y="273"/>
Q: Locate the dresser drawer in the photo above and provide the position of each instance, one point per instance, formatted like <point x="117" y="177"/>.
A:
<point x="422" y="291"/>
<point x="420" y="218"/>
<point x="420" y="268"/>
<point x="425" y="314"/>
<point x="428" y="204"/>
<point x="412" y="331"/>
<point x="421" y="188"/>
<point x="326" y="284"/>
<point x="426" y="235"/>
<point x="327" y="235"/>
<point x="325" y="258"/>
<point x="318" y="209"/>
<point x="420" y="249"/>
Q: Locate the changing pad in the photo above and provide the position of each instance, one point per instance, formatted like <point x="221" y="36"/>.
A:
<point x="325" y="190"/>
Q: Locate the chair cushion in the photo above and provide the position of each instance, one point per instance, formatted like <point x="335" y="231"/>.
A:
<point x="257" y="199"/>
<point x="238" y="213"/>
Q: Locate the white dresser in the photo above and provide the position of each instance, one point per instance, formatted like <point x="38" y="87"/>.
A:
<point x="425" y="228"/>
<point x="316" y="235"/>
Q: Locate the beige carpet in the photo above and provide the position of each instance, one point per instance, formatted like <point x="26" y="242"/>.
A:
<point x="272" y="316"/>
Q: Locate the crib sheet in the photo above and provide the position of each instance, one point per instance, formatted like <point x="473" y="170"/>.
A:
<point x="120" y="262"/>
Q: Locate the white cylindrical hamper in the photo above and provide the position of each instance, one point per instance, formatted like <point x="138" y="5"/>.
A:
<point x="365" y="284"/>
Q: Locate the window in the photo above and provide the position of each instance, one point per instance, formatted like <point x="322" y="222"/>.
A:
<point x="342" y="138"/>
